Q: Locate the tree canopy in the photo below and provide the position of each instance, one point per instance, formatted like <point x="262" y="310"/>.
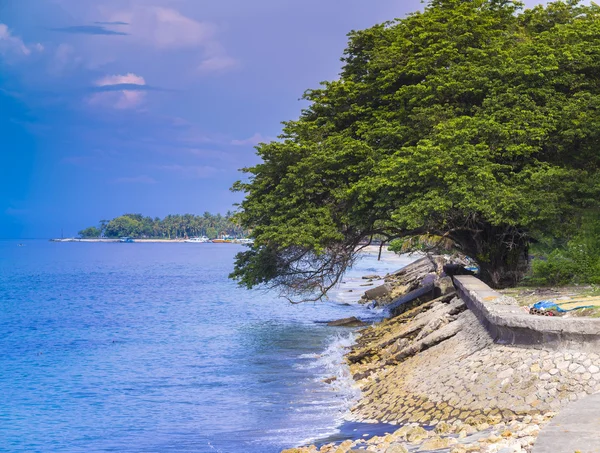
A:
<point x="473" y="120"/>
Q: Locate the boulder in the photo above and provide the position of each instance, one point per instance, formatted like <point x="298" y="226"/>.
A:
<point x="437" y="443"/>
<point x="347" y="322"/>
<point x="417" y="434"/>
<point x="371" y="277"/>
<point x="421" y="294"/>
<point x="396" y="448"/>
<point x="378" y="292"/>
<point x="443" y="286"/>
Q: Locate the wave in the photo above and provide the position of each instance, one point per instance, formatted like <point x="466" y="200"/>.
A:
<point x="333" y="374"/>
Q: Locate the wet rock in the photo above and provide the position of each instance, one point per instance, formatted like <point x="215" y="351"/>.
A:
<point x="347" y="322"/>
<point x="378" y="292"/>
<point x="371" y="277"/>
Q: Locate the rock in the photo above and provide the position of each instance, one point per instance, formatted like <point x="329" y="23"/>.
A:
<point x="403" y="432"/>
<point x="531" y="430"/>
<point x="443" y="286"/>
<point x="347" y="322"/>
<point x="443" y="428"/>
<point x="432" y="326"/>
<point x="458" y="449"/>
<point x="417" y="434"/>
<point x="330" y="380"/>
<point x="396" y="448"/>
<point x="378" y="292"/>
<point x="437" y="443"/>
<point x="447" y="331"/>
<point x="371" y="277"/>
<point x="421" y="294"/>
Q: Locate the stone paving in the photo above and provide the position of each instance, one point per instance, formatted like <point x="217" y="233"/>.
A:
<point x="577" y="428"/>
<point x="467" y="377"/>
<point x="437" y="367"/>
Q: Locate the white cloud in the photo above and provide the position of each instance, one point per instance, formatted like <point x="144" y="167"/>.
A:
<point x="130" y="78"/>
<point x="10" y="44"/>
<point x="166" y="29"/>
<point x="252" y="141"/>
<point x="120" y="99"/>
<point x="143" y="179"/>
<point x="174" y="30"/>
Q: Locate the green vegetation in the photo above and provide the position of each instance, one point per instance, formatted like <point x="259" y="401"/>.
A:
<point x="90" y="233"/>
<point x="474" y="121"/>
<point x="576" y="262"/>
<point x="171" y="227"/>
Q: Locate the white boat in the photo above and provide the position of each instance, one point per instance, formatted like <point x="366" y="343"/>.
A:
<point x="244" y="241"/>
<point x="200" y="240"/>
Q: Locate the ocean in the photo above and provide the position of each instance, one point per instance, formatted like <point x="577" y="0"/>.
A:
<point x="151" y="348"/>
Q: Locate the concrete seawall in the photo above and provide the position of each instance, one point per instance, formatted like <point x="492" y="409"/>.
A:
<point x="508" y="324"/>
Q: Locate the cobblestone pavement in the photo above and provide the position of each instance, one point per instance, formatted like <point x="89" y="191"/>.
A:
<point x="465" y="376"/>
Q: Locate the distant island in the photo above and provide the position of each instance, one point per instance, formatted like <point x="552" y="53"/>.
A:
<point x="170" y="227"/>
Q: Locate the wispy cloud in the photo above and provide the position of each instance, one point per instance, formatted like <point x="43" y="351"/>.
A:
<point x="119" y="91"/>
<point x="112" y="23"/>
<point x="142" y="179"/>
<point x="11" y="44"/>
<point x="89" y="30"/>
<point x="252" y="141"/>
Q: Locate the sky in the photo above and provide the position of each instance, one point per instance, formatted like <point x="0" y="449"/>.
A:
<point x="152" y="106"/>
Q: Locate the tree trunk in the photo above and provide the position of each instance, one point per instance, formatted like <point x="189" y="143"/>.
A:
<point x="501" y="252"/>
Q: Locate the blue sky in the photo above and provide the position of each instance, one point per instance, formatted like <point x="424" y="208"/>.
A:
<point x="151" y="106"/>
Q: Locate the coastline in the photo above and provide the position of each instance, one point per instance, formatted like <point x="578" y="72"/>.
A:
<point x="432" y="379"/>
<point x="142" y="241"/>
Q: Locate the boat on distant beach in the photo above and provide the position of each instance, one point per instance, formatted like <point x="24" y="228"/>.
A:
<point x="244" y="241"/>
<point x="126" y="239"/>
<point x="198" y="240"/>
<point x="223" y="239"/>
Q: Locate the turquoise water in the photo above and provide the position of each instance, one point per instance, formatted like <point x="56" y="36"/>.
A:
<point x="150" y="348"/>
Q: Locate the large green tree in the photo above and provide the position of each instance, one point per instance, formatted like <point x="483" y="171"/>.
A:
<point x="474" y="120"/>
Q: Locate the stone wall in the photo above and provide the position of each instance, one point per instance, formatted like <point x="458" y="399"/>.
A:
<point x="507" y="323"/>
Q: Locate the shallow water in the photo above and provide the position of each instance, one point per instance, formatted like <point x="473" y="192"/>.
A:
<point x="150" y="348"/>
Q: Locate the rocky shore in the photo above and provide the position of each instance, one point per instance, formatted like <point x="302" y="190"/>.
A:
<point x="434" y="370"/>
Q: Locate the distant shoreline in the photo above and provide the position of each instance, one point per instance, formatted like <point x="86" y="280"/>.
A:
<point x="107" y="240"/>
<point x="367" y="249"/>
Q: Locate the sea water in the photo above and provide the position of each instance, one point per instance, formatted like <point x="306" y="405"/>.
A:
<point x="151" y="348"/>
